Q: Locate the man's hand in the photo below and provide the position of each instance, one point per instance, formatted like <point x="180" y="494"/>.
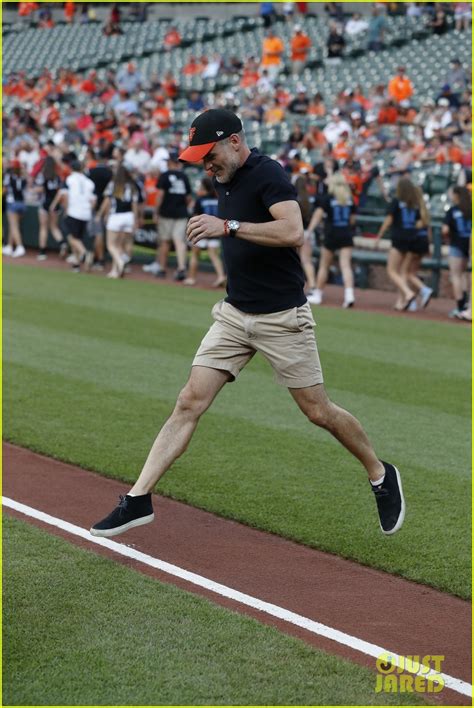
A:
<point x="204" y="226"/>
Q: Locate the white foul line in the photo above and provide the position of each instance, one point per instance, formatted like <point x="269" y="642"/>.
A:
<point x="274" y="610"/>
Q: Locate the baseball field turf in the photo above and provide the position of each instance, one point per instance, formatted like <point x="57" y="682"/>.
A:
<point x="91" y="370"/>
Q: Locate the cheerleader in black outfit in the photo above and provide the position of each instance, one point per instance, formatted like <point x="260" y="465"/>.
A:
<point x="418" y="248"/>
<point x="405" y="219"/>
<point x="48" y="183"/>
<point x="14" y="187"/>
<point x="338" y="210"/>
<point x="458" y="228"/>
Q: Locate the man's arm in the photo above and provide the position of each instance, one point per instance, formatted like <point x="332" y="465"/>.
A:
<point x="159" y="201"/>
<point x="285" y="231"/>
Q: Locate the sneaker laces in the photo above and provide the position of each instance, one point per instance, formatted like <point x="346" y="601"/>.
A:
<point x="380" y="491"/>
<point x="123" y="503"/>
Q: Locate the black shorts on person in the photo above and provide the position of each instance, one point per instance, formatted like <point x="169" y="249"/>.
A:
<point x="419" y="245"/>
<point x="47" y="203"/>
<point x="334" y="242"/>
<point x="76" y="227"/>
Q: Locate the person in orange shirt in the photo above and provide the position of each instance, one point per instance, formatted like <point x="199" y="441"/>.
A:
<point x="169" y="85"/>
<point x="449" y="152"/>
<point x="162" y="114"/>
<point x="316" y="106"/>
<point x="272" y="52"/>
<point x="151" y="191"/>
<point x="250" y="74"/>
<point x="400" y="87"/>
<point x="172" y="38"/>
<point x="274" y="114"/>
<point x="388" y="114"/>
<point x="192" y="67"/>
<point x="300" y="45"/>
<point x="89" y="84"/>
<point x="69" y="10"/>
<point x="342" y="150"/>
<point x="353" y="177"/>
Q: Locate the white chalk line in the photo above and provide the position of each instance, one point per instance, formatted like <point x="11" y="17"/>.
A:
<point x="317" y="628"/>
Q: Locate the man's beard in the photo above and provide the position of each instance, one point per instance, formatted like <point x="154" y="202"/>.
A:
<point x="230" y="172"/>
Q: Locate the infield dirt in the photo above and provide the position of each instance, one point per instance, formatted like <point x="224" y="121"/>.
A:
<point x="377" y="607"/>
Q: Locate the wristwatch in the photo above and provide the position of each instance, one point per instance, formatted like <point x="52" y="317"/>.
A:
<point x="233" y="226"/>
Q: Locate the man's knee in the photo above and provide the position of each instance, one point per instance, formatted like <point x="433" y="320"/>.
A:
<point x="322" y="414"/>
<point x="191" y="403"/>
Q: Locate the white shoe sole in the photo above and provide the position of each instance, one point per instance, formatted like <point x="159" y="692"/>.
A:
<point x="401" y="518"/>
<point x="107" y="533"/>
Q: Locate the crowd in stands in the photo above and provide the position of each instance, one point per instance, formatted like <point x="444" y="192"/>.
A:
<point x="124" y="118"/>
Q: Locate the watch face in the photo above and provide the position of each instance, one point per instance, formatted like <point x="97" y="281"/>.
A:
<point x="234" y="225"/>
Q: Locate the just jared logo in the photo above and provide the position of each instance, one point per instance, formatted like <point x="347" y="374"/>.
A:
<point x="409" y="674"/>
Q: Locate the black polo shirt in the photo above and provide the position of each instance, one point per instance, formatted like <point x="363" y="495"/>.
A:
<point x="260" y="279"/>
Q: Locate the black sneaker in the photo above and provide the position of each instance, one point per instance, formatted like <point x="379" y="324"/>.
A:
<point x="180" y="275"/>
<point x="390" y="501"/>
<point x="131" y="512"/>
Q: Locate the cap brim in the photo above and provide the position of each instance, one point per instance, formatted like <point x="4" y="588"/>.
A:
<point x="195" y="153"/>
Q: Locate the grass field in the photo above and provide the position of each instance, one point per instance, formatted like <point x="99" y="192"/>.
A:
<point x="125" y="639"/>
<point x="92" y="369"/>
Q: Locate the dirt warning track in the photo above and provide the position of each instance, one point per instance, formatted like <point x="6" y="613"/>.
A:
<point x="362" y="607"/>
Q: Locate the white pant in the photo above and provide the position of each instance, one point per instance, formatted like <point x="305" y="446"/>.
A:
<point x="124" y="222"/>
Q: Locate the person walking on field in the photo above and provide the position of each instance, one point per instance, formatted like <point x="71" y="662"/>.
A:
<point x="458" y="228"/>
<point x="206" y="203"/>
<point x="338" y="210"/>
<point x="14" y="188"/>
<point x="173" y="200"/>
<point x="47" y="183"/>
<point x="80" y="199"/>
<point x="405" y="219"/>
<point x="121" y="206"/>
<point x="419" y="247"/>
<point x="266" y="311"/>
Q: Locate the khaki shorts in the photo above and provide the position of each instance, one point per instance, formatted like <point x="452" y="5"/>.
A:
<point x="172" y="229"/>
<point x="286" y="339"/>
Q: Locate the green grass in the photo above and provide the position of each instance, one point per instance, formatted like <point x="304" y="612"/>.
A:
<point x="83" y="630"/>
<point x="93" y="367"/>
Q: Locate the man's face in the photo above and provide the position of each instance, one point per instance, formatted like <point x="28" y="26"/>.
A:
<point x="222" y="161"/>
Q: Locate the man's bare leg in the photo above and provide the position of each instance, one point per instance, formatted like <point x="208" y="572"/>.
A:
<point x="384" y="477"/>
<point x="136" y="509"/>
<point x="174" y="437"/>
<point x="321" y="411"/>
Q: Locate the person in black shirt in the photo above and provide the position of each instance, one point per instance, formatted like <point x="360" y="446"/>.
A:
<point x="48" y="183"/>
<point x="458" y="228"/>
<point x="206" y="203"/>
<point x="335" y="44"/>
<point x="120" y="204"/>
<point x="14" y="187"/>
<point x="266" y="311"/>
<point x="174" y="198"/>
<point x="306" y="199"/>
<point x="405" y="219"/>
<point x="300" y="103"/>
<point x="338" y="211"/>
<point x="101" y="175"/>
